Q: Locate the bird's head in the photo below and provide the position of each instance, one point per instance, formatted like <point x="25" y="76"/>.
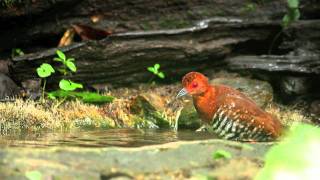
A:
<point x="194" y="83"/>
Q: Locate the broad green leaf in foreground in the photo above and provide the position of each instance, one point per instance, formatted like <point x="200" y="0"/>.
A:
<point x="33" y="175"/>
<point x="45" y="70"/>
<point x="68" y="85"/>
<point x="295" y="157"/>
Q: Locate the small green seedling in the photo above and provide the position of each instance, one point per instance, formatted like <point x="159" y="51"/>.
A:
<point x="45" y="70"/>
<point x="221" y="154"/>
<point x="67" y="87"/>
<point x="68" y="63"/>
<point x="292" y="15"/>
<point x="250" y="7"/>
<point x="155" y="71"/>
<point x="33" y="175"/>
<point x="16" y="52"/>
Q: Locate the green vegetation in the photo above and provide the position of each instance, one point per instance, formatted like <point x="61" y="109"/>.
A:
<point x="221" y="154"/>
<point x="66" y="85"/>
<point x="249" y="7"/>
<point x="44" y="71"/>
<point x="87" y="97"/>
<point x="69" y="85"/>
<point x="155" y="70"/>
<point x="33" y="175"/>
<point x="16" y="52"/>
<point x="296" y="157"/>
<point x="68" y="63"/>
<point x="292" y="15"/>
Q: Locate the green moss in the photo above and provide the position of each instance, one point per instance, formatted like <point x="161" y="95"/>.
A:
<point x="173" y="23"/>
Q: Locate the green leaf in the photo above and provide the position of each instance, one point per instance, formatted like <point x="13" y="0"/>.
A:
<point x="221" y="154"/>
<point x="51" y="96"/>
<point x="71" y="66"/>
<point x="157" y="67"/>
<point x="293" y="4"/>
<point x="33" y="175"/>
<point x="45" y="70"/>
<point x="57" y="59"/>
<point x="151" y="69"/>
<point x="87" y="97"/>
<point x="61" y="94"/>
<point x="94" y="97"/>
<point x="285" y="21"/>
<point x="61" y="55"/>
<point x="296" y="15"/>
<point x="19" y="52"/>
<point x="70" y="59"/>
<point x="296" y="156"/>
<point x="68" y="85"/>
<point x="62" y="70"/>
<point x="161" y="75"/>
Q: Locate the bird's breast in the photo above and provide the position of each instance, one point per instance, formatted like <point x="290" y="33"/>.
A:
<point x="205" y="107"/>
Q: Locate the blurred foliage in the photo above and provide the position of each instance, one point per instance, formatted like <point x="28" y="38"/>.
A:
<point x="33" y="175"/>
<point x="292" y="15"/>
<point x="16" y="52"/>
<point x="295" y="157"/>
<point x="221" y="154"/>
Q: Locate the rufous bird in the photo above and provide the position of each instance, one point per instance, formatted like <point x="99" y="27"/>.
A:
<point x="228" y="112"/>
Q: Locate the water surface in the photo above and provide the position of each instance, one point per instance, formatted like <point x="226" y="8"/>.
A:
<point x="100" y="138"/>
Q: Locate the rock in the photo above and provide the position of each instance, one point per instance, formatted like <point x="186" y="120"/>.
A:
<point x="149" y="108"/>
<point x="4" y="66"/>
<point x="294" y="86"/>
<point x="32" y="88"/>
<point x="166" y="161"/>
<point x="314" y="111"/>
<point x="259" y="91"/>
<point x="189" y="118"/>
<point x="7" y="87"/>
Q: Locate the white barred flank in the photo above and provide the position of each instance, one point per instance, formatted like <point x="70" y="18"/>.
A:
<point x="226" y="124"/>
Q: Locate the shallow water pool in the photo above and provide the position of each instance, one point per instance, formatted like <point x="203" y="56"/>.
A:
<point x="100" y="138"/>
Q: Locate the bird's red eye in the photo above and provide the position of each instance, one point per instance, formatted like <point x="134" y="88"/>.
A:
<point x="194" y="85"/>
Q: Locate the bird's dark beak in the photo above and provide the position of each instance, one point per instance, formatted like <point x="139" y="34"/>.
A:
<point x="182" y="92"/>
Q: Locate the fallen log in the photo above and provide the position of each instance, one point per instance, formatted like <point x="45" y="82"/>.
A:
<point x="124" y="57"/>
<point x="298" y="64"/>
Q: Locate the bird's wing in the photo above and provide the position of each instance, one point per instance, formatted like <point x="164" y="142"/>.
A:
<point x="246" y="112"/>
